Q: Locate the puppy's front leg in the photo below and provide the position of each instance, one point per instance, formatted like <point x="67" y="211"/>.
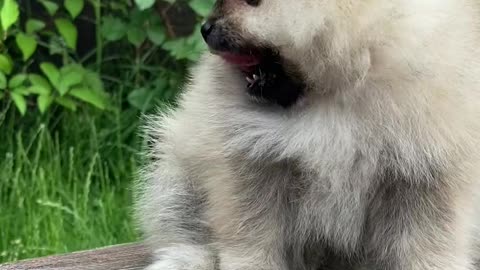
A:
<point x="251" y="239"/>
<point x="249" y="216"/>
<point x="250" y="242"/>
<point x="256" y="256"/>
<point x="183" y="257"/>
<point x="422" y="226"/>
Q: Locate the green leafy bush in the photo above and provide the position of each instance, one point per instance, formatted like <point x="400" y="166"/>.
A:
<point x="47" y="58"/>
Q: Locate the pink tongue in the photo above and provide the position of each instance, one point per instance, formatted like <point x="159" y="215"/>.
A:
<point x="242" y="61"/>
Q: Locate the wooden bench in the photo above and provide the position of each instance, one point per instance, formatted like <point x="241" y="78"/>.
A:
<point x="122" y="257"/>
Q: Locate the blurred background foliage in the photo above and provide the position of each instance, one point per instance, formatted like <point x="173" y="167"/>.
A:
<point x="75" y="75"/>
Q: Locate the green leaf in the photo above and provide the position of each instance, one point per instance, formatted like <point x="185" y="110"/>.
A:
<point x="68" y="31"/>
<point x="43" y="102"/>
<point x="141" y="98"/>
<point x="202" y="7"/>
<point x="70" y="76"/>
<point x="50" y="6"/>
<point x="33" y="25"/>
<point x="6" y="64"/>
<point x="2" y="95"/>
<point x="144" y="4"/>
<point x="162" y="88"/>
<point x="17" y="80"/>
<point x="3" y="81"/>
<point x="36" y="90"/>
<point x="56" y="45"/>
<point x="67" y="103"/>
<point x="113" y="28"/>
<point x="19" y="102"/>
<point x="52" y="73"/>
<point x="39" y="84"/>
<point x="9" y="13"/>
<point x="74" y="7"/>
<point x="139" y="18"/>
<point x="156" y="34"/>
<point x="186" y="48"/>
<point x="136" y="36"/>
<point x="92" y="80"/>
<point x="119" y="6"/>
<point x="89" y="96"/>
<point x="21" y="90"/>
<point x="27" y="45"/>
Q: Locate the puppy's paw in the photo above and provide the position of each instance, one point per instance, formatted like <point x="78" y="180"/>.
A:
<point x="171" y="264"/>
<point x="183" y="257"/>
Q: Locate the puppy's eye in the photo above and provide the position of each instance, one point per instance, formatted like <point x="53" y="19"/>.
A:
<point x="253" y="3"/>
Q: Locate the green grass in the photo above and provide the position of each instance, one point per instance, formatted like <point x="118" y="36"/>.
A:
<point x="65" y="182"/>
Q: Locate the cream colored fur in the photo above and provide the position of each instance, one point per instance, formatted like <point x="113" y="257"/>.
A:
<point x="378" y="162"/>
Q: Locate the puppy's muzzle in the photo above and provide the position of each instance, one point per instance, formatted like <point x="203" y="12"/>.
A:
<point x="206" y="29"/>
<point x="217" y="37"/>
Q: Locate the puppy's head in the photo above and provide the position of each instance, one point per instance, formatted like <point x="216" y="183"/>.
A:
<point x="302" y="36"/>
<point x="250" y="27"/>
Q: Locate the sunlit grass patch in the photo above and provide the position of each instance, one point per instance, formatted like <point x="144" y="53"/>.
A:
<point x="65" y="183"/>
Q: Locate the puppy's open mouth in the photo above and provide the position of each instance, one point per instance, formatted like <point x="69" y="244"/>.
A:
<point x="266" y="76"/>
<point x="246" y="62"/>
<point x="252" y="63"/>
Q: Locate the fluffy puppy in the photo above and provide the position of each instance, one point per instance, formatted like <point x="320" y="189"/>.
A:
<point x="322" y="134"/>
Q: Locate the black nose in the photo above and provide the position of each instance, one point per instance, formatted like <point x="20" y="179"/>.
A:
<point x="207" y="28"/>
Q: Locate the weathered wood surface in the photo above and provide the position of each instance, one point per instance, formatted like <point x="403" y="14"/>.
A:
<point x="122" y="257"/>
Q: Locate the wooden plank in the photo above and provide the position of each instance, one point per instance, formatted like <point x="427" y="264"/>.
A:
<point x="122" y="257"/>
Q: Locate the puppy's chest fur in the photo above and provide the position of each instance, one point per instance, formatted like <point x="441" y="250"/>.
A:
<point x="311" y="207"/>
<point x="318" y="182"/>
<point x="317" y="179"/>
<point x="339" y="207"/>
